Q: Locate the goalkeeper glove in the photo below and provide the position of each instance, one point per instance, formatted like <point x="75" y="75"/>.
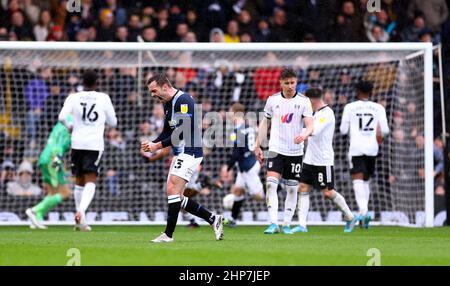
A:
<point x="56" y="163"/>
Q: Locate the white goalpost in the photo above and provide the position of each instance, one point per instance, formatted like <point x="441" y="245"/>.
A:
<point x="35" y="77"/>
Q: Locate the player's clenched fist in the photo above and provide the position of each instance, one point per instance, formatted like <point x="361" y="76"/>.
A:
<point x="144" y="146"/>
<point x="148" y="146"/>
<point x="151" y="147"/>
<point x="299" y="139"/>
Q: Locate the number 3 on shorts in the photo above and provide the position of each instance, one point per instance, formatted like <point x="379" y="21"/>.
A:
<point x="178" y="164"/>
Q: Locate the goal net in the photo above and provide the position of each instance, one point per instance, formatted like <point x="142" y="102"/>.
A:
<point x="35" y="78"/>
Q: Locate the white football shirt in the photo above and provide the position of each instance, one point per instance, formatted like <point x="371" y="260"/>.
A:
<point x="361" y="118"/>
<point x="286" y="116"/>
<point x="319" y="151"/>
<point x="90" y="111"/>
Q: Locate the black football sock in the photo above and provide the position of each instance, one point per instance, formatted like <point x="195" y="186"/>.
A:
<point x="236" y="209"/>
<point x="172" y="214"/>
<point x="196" y="209"/>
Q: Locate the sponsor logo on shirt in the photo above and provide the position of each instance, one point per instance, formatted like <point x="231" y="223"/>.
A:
<point x="287" y="118"/>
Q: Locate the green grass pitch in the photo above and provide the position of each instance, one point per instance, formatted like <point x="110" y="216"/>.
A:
<point x="244" y="245"/>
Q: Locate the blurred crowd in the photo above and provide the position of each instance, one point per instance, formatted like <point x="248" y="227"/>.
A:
<point x="128" y="178"/>
<point x="224" y="21"/>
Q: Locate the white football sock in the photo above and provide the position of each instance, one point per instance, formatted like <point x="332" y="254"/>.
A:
<point x="360" y="195"/>
<point x="88" y="195"/>
<point x="303" y="208"/>
<point x="272" y="199"/>
<point x="367" y="189"/>
<point x="342" y="206"/>
<point x="77" y="194"/>
<point x="290" y="202"/>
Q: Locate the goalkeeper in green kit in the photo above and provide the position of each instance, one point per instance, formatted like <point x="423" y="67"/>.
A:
<point x="52" y="168"/>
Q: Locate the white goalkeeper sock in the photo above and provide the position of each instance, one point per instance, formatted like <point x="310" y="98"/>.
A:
<point x="360" y="194"/>
<point x="367" y="189"/>
<point x="88" y="195"/>
<point x="77" y="194"/>
<point x="303" y="208"/>
<point x="290" y="202"/>
<point x="342" y="206"/>
<point x="272" y="199"/>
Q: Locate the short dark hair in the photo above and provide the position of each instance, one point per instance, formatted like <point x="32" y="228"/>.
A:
<point x="148" y="27"/>
<point x="364" y="86"/>
<point x="134" y="13"/>
<point x="418" y="13"/>
<point x="238" y="107"/>
<point x="160" y="79"/>
<point x="90" y="78"/>
<point x="314" y="92"/>
<point x="425" y="32"/>
<point x="287" y="73"/>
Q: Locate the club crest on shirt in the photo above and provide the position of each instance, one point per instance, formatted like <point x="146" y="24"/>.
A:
<point x="184" y="108"/>
<point x="172" y="123"/>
